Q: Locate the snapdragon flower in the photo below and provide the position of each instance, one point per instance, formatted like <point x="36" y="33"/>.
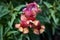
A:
<point x="28" y="19"/>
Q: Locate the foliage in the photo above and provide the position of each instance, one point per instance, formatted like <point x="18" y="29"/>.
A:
<point x="10" y="11"/>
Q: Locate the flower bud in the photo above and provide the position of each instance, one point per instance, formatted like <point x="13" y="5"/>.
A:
<point x="17" y="25"/>
<point x="26" y="31"/>
<point x="36" y="31"/>
<point x="21" y="29"/>
<point x="41" y="31"/>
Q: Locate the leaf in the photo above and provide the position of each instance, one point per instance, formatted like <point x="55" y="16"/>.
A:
<point x="12" y="32"/>
<point x="58" y="30"/>
<point x="43" y="19"/>
<point x="6" y="30"/>
<point x="1" y="32"/>
<point x="34" y="37"/>
<point x="54" y="29"/>
<point x="58" y="8"/>
<point x="3" y="10"/>
<point x="55" y="20"/>
<point x="19" y="7"/>
<point x="26" y="36"/>
<point x="41" y="1"/>
<point x="48" y="35"/>
<point x="10" y="23"/>
<point x="21" y="37"/>
<point x="20" y="12"/>
<point x="53" y="16"/>
<point x="48" y="4"/>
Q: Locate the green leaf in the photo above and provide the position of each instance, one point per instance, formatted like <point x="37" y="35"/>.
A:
<point x="1" y="32"/>
<point x="26" y="36"/>
<point x="48" y="35"/>
<point x="19" y="7"/>
<point x="10" y="23"/>
<point x="12" y="32"/>
<point x="3" y="10"/>
<point x="48" y="4"/>
<point x="58" y="8"/>
<point x="43" y="19"/>
<point x="6" y="30"/>
<point x="53" y="16"/>
<point x="54" y="29"/>
<point x="34" y="37"/>
<point x="21" y="37"/>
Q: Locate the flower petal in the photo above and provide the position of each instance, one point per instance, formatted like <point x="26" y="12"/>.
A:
<point x="26" y="31"/>
<point x="36" y="31"/>
<point x="41" y="31"/>
<point x="17" y="25"/>
<point x="21" y="29"/>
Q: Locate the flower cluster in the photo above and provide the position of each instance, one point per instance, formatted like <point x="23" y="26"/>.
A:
<point x="28" y="19"/>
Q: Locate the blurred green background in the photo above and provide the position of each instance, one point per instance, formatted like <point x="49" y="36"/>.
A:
<point x="10" y="11"/>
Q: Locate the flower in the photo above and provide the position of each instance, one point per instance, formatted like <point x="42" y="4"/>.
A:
<point x="23" y="17"/>
<point x="25" y="31"/>
<point x="33" y="6"/>
<point x="28" y="19"/>
<point x="42" y="29"/>
<point x="35" y="31"/>
<point x="31" y="18"/>
<point x="17" y="25"/>
<point x="31" y="9"/>
<point x="24" y="24"/>
<point x="20" y="29"/>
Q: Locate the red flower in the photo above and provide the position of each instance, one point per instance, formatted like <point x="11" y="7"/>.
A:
<point x="33" y="6"/>
<point x="23" y="21"/>
<point x="28" y="19"/>
<point x="31" y="9"/>
<point x="28" y="13"/>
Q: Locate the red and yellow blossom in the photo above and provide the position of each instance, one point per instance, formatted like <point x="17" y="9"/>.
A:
<point x="28" y="19"/>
